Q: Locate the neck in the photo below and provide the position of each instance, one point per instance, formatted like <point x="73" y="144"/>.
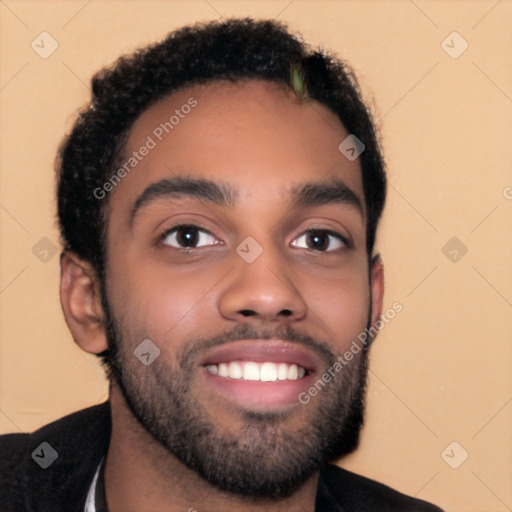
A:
<point x="140" y="474"/>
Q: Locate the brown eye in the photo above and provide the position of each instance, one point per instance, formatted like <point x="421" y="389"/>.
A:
<point x="320" y="240"/>
<point x="188" y="237"/>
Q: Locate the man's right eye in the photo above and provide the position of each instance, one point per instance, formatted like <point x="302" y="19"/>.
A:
<point x="188" y="236"/>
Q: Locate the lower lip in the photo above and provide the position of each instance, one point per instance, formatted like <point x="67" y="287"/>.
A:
<point x="257" y="394"/>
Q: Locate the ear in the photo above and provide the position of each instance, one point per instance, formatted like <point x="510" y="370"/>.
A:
<point x="377" y="284"/>
<point x="81" y="303"/>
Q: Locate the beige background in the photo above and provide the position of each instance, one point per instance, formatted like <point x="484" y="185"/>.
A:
<point x="441" y="370"/>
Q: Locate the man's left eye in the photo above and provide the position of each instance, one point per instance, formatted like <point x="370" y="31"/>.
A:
<point x="320" y="240"/>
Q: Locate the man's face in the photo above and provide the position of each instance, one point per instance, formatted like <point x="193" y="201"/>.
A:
<point x="255" y="298"/>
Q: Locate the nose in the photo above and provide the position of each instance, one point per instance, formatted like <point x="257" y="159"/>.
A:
<point x="263" y="290"/>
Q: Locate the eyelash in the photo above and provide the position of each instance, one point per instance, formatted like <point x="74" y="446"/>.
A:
<point x="313" y="229"/>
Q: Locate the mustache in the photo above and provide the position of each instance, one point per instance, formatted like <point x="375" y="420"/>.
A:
<point x="195" y="347"/>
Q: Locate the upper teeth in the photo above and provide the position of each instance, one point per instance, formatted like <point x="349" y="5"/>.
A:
<point x="249" y="370"/>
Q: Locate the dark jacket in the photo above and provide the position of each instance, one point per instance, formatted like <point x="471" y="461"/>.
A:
<point x="81" y="439"/>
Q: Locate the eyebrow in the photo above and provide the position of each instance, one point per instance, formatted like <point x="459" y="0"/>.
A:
<point x="319" y="193"/>
<point x="217" y="192"/>
<point x="222" y="193"/>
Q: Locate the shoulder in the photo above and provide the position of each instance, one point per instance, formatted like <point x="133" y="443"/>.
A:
<point x="54" y="463"/>
<point x="356" y="492"/>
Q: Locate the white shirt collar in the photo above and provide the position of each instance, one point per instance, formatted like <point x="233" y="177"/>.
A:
<point x="90" y="502"/>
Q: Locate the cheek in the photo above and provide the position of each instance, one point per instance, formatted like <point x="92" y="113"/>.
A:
<point x="161" y="305"/>
<point x="342" y="305"/>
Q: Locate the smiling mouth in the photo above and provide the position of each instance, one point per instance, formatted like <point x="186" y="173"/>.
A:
<point x="260" y="374"/>
<point x="257" y="371"/>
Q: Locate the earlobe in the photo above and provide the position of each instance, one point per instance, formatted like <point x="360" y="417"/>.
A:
<point x="377" y="284"/>
<point x="81" y="303"/>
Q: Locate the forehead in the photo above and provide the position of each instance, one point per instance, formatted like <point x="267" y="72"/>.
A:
<point x="253" y="134"/>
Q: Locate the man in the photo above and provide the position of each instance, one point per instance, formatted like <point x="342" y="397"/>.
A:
<point x="218" y="201"/>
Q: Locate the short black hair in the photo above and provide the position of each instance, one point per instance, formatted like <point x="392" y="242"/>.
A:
<point x="234" y="50"/>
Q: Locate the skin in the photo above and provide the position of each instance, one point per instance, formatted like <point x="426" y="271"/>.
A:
<point x="259" y="138"/>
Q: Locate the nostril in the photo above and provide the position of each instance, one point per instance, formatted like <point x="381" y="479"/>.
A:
<point x="248" y="312"/>
<point x="286" y="312"/>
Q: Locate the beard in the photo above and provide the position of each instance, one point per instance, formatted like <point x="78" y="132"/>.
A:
<point x="264" y="458"/>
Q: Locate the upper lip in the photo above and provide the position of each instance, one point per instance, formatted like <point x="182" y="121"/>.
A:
<point x="260" y="351"/>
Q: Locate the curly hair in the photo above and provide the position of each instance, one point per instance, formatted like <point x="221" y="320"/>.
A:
<point x="234" y="50"/>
